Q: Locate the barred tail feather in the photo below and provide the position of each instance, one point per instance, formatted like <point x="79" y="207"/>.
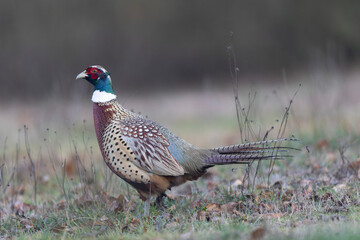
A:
<point x="239" y="159"/>
<point x="255" y="146"/>
<point x="249" y="152"/>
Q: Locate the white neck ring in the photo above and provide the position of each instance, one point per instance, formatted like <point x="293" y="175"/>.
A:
<point x="102" y="96"/>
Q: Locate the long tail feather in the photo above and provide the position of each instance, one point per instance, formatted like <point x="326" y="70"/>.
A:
<point x="254" y="146"/>
<point x="239" y="159"/>
<point x="249" y="152"/>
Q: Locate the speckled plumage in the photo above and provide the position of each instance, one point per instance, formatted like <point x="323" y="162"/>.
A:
<point x="147" y="155"/>
<point x="139" y="150"/>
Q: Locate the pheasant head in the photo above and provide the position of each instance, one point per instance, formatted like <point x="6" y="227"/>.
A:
<point x="100" y="78"/>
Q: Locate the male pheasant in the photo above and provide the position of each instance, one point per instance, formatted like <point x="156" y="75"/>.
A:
<point x="147" y="155"/>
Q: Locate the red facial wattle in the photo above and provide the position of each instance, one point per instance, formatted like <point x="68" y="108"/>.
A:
<point x="93" y="73"/>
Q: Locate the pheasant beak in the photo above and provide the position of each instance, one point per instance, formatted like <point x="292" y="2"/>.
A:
<point x="81" y="75"/>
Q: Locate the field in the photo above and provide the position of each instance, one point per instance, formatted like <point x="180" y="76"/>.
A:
<point x="54" y="183"/>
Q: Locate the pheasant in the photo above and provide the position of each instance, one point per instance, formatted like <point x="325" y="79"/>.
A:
<point x="147" y="155"/>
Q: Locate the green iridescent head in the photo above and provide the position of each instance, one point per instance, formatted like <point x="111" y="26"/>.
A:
<point x="99" y="77"/>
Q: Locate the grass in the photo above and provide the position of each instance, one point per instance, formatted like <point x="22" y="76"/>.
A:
<point x="67" y="191"/>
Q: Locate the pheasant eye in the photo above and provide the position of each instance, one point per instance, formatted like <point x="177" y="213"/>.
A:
<point x="94" y="71"/>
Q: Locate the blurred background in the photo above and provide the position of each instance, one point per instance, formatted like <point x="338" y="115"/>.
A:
<point x="169" y="59"/>
<point x="167" y="45"/>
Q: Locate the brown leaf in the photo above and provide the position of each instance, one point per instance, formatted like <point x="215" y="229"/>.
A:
<point x="358" y="175"/>
<point x="212" y="210"/>
<point x="61" y="204"/>
<point x="115" y="204"/>
<point x="277" y="185"/>
<point x="321" y="144"/>
<point x="354" y="165"/>
<point x="22" y="207"/>
<point x="229" y="207"/>
<point x="326" y="196"/>
<point x="18" y="191"/>
<point x="294" y="207"/>
<point x="315" y="166"/>
<point x="70" y="166"/>
<point x="288" y="195"/>
<point x="258" y="233"/>
<point x="213" y="207"/>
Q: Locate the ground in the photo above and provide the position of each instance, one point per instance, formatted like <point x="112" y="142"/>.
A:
<point x="54" y="183"/>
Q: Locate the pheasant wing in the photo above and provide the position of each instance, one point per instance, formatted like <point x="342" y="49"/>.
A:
<point x="149" y="146"/>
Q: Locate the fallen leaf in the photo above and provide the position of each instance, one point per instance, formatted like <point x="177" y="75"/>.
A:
<point x="315" y="166"/>
<point x="354" y="165"/>
<point x="18" y="191"/>
<point x="23" y="207"/>
<point x="294" y="207"/>
<point x="211" y="210"/>
<point x="258" y="233"/>
<point x="321" y="144"/>
<point x="61" y="204"/>
<point x="70" y="166"/>
<point x="213" y="207"/>
<point x="229" y="207"/>
<point x="116" y="204"/>
<point x="277" y="185"/>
